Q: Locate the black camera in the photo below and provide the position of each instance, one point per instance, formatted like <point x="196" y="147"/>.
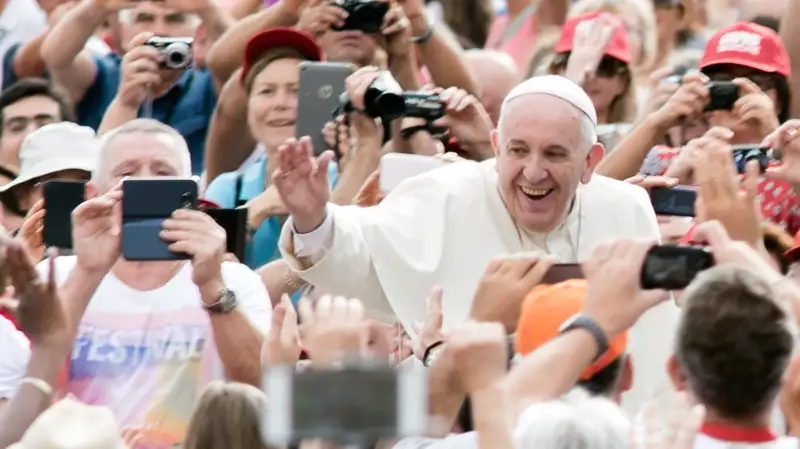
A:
<point x="176" y="51"/>
<point x="386" y="100"/>
<point x="722" y="95"/>
<point x="363" y="15"/>
<point x="673" y="267"/>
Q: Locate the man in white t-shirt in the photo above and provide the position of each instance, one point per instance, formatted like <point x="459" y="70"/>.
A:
<point x="14" y="355"/>
<point x="155" y="333"/>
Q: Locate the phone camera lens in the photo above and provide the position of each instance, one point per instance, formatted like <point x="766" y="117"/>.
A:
<point x="186" y="199"/>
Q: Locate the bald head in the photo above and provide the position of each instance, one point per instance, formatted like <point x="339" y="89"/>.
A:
<point x="496" y="74"/>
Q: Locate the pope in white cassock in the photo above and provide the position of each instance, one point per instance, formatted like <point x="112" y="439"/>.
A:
<point x="442" y="228"/>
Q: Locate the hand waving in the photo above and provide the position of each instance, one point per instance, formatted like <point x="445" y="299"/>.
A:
<point x="282" y="343"/>
<point x="302" y="181"/>
<point x="334" y="328"/>
<point x="40" y="312"/>
<point x="588" y="48"/>
<point x="96" y="230"/>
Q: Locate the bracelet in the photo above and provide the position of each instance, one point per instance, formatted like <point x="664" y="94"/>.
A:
<point x="425" y="36"/>
<point x="291" y="282"/>
<point x="426" y="356"/>
<point x="39" y="384"/>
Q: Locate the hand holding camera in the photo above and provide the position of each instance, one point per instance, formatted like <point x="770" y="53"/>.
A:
<point x="195" y="233"/>
<point x="755" y="107"/>
<point x="688" y="101"/>
<point x="375" y="93"/>
<point x="363" y="15"/>
<point x="784" y="139"/>
<point x="616" y="298"/>
<point x="140" y="73"/>
<point x="465" y="117"/>
<point x="720" y="194"/>
<point x="320" y="16"/>
<point x="396" y="32"/>
<point x="96" y="231"/>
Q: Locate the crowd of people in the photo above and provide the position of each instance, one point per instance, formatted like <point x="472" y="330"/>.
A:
<point x="523" y="265"/>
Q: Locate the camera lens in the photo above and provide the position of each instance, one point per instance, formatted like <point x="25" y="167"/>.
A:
<point x="177" y="56"/>
<point x="186" y="200"/>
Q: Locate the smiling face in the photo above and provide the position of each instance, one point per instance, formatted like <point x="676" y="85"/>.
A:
<point x="272" y="102"/>
<point x="542" y="156"/>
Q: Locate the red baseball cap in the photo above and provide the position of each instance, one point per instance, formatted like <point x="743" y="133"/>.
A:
<point x="748" y="45"/>
<point x="301" y="41"/>
<point x="618" y="47"/>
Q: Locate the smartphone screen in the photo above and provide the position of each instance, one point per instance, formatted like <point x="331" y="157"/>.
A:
<point x="675" y="201"/>
<point x="61" y="197"/>
<point x="561" y="272"/>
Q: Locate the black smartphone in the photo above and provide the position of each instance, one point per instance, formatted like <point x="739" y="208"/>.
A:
<point x="722" y="95"/>
<point x="321" y="404"/>
<point x="676" y="201"/>
<point x="742" y="154"/>
<point x="61" y="197"/>
<point x="673" y="267"/>
<point x="561" y="272"/>
<point x="321" y="85"/>
<point x="146" y="203"/>
<point x="234" y="222"/>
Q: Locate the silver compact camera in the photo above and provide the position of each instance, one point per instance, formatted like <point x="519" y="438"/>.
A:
<point x="177" y="51"/>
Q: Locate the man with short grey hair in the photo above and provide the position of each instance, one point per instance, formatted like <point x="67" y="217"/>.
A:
<point x="152" y="334"/>
<point x="539" y="197"/>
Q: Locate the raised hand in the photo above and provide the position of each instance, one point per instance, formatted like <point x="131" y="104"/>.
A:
<point x="319" y="16"/>
<point x="302" y="181"/>
<point x="468" y="121"/>
<point x="140" y="71"/>
<point x="96" y="231"/>
<point x="615" y="299"/>
<point x="430" y="332"/>
<point x="41" y="314"/>
<point x="755" y="107"/>
<point x="588" y="48"/>
<point x="282" y="343"/>
<point x="334" y="328"/>
<point x="504" y="285"/>
<point x="31" y="231"/>
<point x="480" y="352"/>
<point x="396" y="33"/>
<point x="784" y="139"/>
<point x="197" y="234"/>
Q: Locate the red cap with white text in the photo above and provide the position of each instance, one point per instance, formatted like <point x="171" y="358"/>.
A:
<point x="748" y="45"/>
<point x="618" y="46"/>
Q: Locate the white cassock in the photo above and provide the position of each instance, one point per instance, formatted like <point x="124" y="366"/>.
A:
<point x="444" y="227"/>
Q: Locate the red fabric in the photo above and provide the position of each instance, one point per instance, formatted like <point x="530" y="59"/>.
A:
<point x="738" y="434"/>
<point x="618" y="47"/>
<point x="748" y="45"/>
<point x="279" y="37"/>
<point x="777" y="198"/>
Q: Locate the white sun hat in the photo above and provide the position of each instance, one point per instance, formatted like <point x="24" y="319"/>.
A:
<point x="71" y="424"/>
<point x="54" y="148"/>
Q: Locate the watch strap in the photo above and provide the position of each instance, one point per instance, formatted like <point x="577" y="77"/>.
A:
<point x="431" y="353"/>
<point x="590" y="325"/>
<point x="225" y="303"/>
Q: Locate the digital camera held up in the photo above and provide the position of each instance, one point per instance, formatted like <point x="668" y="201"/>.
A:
<point x="385" y="99"/>
<point x="176" y="51"/>
<point x="363" y="15"/>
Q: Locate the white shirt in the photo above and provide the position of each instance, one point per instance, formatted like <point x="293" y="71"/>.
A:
<point x="148" y="355"/>
<point x="15" y="352"/>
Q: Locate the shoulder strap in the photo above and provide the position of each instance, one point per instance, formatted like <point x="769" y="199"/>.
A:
<point x="237" y="198"/>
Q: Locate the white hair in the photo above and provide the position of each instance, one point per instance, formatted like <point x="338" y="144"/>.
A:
<point x="576" y="421"/>
<point x="145" y="126"/>
<point x="126" y="18"/>
<point x="588" y="130"/>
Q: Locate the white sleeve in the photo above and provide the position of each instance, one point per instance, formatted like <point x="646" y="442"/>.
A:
<point x="251" y="294"/>
<point x="468" y="440"/>
<point x="16" y="353"/>
<point x="314" y="242"/>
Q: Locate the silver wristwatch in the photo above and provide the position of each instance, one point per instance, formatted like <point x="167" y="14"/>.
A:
<point x="225" y="303"/>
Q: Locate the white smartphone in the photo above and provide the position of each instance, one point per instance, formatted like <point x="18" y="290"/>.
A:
<point x="356" y="406"/>
<point x="397" y="167"/>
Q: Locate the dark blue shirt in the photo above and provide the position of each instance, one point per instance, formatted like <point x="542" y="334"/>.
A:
<point x="187" y="106"/>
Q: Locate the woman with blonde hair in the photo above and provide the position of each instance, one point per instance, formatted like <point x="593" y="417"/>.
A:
<point x="228" y="415"/>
